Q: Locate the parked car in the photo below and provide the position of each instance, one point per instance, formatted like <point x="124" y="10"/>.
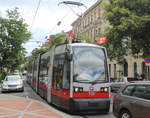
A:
<point x="12" y="83"/>
<point x="133" y="101"/>
<point x="120" y="82"/>
<point x="24" y="73"/>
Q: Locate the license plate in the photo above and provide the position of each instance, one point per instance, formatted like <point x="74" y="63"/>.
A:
<point x="91" y="93"/>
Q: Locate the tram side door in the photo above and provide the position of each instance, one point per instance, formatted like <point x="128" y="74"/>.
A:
<point x="60" y="83"/>
<point x="66" y="85"/>
<point x="58" y="67"/>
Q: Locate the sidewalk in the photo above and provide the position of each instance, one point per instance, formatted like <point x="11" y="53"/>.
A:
<point x="20" y="107"/>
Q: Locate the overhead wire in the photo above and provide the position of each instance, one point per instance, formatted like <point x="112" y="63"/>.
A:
<point x="36" y="11"/>
<point x="33" y="20"/>
<point x="58" y="23"/>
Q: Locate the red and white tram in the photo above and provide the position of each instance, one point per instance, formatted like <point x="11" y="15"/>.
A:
<point x="73" y="76"/>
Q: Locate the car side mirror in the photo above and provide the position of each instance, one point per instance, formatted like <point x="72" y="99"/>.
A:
<point x="68" y="56"/>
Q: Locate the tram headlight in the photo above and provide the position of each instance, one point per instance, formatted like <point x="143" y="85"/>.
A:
<point x="104" y="89"/>
<point x="78" y="89"/>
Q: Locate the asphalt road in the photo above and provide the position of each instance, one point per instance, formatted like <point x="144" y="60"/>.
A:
<point x="28" y="92"/>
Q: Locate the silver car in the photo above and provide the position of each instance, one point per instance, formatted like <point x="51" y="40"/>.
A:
<point x="12" y="83"/>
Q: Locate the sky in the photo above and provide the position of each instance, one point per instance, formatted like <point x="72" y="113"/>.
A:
<point x="48" y="15"/>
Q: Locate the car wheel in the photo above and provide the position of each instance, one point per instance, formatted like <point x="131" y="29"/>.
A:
<point x="125" y="114"/>
<point x="22" y="89"/>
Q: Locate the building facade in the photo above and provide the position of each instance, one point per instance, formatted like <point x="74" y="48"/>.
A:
<point x="91" y="24"/>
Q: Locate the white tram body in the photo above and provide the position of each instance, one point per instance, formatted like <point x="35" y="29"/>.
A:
<point x="73" y="76"/>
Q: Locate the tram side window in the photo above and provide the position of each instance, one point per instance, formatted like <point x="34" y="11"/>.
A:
<point x="41" y="71"/>
<point x="35" y="70"/>
<point x="66" y="76"/>
<point x="58" y="70"/>
<point x="54" y="74"/>
<point x="44" y="69"/>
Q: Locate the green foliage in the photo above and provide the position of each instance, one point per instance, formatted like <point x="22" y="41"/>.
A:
<point x="37" y="51"/>
<point x="13" y="33"/>
<point x="2" y="76"/>
<point x="129" y="27"/>
<point x="55" y="39"/>
<point x="84" y="37"/>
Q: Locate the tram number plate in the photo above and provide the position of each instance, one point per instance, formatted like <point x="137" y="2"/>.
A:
<point x="91" y="93"/>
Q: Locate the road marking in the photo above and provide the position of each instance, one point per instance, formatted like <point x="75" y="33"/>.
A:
<point x="24" y="111"/>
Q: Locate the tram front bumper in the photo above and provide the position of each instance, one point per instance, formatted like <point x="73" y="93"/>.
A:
<point x="90" y="104"/>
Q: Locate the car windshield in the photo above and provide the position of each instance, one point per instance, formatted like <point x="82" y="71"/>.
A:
<point x="13" y="78"/>
<point x="89" y="64"/>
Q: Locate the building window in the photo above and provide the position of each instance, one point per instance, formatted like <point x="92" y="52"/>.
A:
<point x="91" y="18"/>
<point x="110" y="70"/>
<point x="135" y="70"/>
<point x="115" y="72"/>
<point x="125" y="69"/>
<point x="143" y="67"/>
<point x="99" y="30"/>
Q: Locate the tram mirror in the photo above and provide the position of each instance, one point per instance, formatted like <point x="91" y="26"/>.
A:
<point x="68" y="56"/>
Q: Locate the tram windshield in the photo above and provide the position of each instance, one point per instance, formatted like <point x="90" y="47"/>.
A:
<point x="89" y="64"/>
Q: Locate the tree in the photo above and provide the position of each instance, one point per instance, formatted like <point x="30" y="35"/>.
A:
<point x="56" y="39"/>
<point x="13" y="33"/>
<point x="37" y="51"/>
<point x="84" y="37"/>
<point x="129" y="27"/>
<point x="52" y="40"/>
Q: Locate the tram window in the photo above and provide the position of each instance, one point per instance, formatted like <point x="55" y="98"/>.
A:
<point x="58" y="69"/>
<point x="54" y="74"/>
<point x="66" y="76"/>
<point x="44" y="67"/>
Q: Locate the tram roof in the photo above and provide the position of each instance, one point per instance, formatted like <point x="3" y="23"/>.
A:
<point x="85" y="44"/>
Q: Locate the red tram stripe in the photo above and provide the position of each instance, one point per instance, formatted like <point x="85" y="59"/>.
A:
<point x="42" y="86"/>
<point x="91" y="94"/>
<point x="65" y="94"/>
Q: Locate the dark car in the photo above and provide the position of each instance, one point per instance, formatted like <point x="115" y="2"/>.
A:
<point x="133" y="101"/>
<point x="120" y="82"/>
